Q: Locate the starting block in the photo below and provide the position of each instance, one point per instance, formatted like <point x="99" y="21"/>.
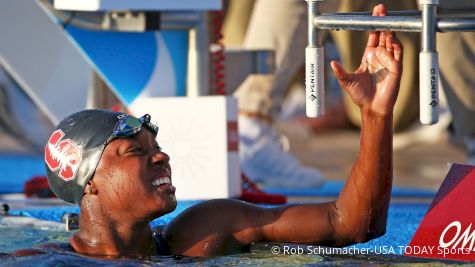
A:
<point x="201" y="136"/>
<point x="447" y="231"/>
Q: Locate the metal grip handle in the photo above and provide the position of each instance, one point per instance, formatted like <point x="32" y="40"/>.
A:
<point x="429" y="87"/>
<point x="314" y="81"/>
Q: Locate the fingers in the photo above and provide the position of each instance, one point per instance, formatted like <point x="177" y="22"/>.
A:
<point x="389" y="44"/>
<point x="382" y="10"/>
<point x="382" y="39"/>
<point x="379" y="10"/>
<point x="375" y="38"/>
<point x="397" y="49"/>
<point x="393" y="46"/>
<point x="341" y="75"/>
<point x="393" y="53"/>
<point x="388" y="39"/>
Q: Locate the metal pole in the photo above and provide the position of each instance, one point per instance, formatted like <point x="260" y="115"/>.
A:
<point x="459" y="24"/>
<point x="428" y="66"/>
<point x="362" y="22"/>
<point x="411" y="21"/>
<point x="399" y="23"/>
<point x="447" y="13"/>
<point x="197" y="83"/>
<point x="314" y="75"/>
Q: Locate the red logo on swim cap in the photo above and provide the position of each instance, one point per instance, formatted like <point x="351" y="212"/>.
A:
<point x="62" y="155"/>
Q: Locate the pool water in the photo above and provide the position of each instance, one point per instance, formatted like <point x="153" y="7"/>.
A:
<point x="403" y="221"/>
<point x="23" y="232"/>
<point x="33" y="231"/>
<point x="249" y="259"/>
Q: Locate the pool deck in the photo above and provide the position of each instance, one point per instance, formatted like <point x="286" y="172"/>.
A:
<point x="417" y="164"/>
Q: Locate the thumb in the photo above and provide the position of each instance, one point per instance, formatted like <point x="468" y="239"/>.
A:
<point x="341" y="75"/>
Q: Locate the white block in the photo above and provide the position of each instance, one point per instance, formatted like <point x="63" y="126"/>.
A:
<point x="105" y="5"/>
<point x="200" y="135"/>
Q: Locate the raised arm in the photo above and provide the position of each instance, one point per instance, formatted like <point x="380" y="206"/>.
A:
<point x="359" y="213"/>
<point x="374" y="88"/>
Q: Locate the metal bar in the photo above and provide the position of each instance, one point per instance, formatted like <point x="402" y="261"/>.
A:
<point x="428" y="28"/>
<point x="443" y="13"/>
<point x="456" y="25"/>
<point x="363" y="23"/>
<point x="389" y="23"/>
<point x="313" y="40"/>
<point x="197" y="82"/>
<point x="389" y="13"/>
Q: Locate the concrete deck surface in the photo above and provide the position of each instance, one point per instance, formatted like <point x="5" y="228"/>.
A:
<point x="419" y="163"/>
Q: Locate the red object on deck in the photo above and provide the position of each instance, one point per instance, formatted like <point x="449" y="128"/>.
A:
<point x="38" y="187"/>
<point x="251" y="193"/>
<point x="447" y="231"/>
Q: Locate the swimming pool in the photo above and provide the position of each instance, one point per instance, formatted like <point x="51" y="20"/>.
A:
<point x="403" y="221"/>
<point x="40" y="225"/>
<point x="36" y="232"/>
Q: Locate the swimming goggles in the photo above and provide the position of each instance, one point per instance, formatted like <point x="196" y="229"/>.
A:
<point x="128" y="126"/>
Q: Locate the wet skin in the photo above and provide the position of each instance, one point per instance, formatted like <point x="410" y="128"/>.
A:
<point x="120" y="200"/>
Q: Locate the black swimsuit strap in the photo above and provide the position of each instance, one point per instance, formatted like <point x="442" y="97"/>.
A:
<point x="161" y="244"/>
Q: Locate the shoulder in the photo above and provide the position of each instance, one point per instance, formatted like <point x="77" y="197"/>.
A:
<point x="223" y="203"/>
<point x="216" y="209"/>
<point x="206" y="226"/>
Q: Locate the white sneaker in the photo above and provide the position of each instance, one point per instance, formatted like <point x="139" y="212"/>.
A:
<point x="264" y="161"/>
<point x="293" y="105"/>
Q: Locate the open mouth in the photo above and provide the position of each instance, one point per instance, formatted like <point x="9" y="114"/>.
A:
<point x="164" y="184"/>
<point x="161" y="181"/>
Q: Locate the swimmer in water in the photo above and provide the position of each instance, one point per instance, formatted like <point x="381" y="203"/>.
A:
<point x="112" y="167"/>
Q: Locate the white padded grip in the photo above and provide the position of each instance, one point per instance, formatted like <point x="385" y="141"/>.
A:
<point x="429" y="87"/>
<point x="314" y="81"/>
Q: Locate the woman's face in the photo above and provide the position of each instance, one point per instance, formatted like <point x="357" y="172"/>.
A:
<point x="133" y="179"/>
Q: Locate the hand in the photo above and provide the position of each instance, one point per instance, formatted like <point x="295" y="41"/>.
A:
<point x="375" y="84"/>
